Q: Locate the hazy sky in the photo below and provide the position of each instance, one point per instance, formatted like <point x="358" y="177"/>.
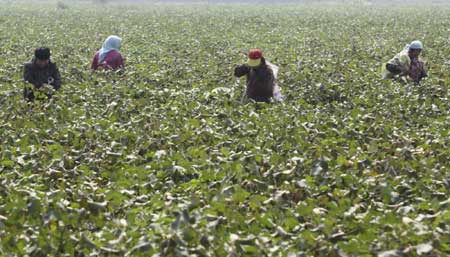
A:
<point x="245" y="1"/>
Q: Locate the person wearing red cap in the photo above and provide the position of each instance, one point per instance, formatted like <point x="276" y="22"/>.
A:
<point x="261" y="77"/>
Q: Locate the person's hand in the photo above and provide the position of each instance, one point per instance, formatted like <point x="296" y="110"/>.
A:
<point x="241" y="70"/>
<point x="43" y="87"/>
<point x="404" y="71"/>
<point x="46" y="89"/>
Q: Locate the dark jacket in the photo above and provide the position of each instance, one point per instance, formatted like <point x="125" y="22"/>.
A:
<point x="260" y="81"/>
<point x="39" y="76"/>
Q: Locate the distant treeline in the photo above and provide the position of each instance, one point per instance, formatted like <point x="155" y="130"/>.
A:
<point x="241" y="1"/>
<point x="274" y="1"/>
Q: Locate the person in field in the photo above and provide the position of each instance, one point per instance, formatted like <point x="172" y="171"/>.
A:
<point x="261" y="76"/>
<point x="406" y="64"/>
<point x="109" y="57"/>
<point x="41" y="75"/>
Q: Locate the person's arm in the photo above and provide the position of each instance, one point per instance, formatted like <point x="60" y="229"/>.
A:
<point x="397" y="69"/>
<point x="393" y="68"/>
<point x="94" y="64"/>
<point x="399" y="65"/>
<point x="28" y="76"/>
<point x="56" y="77"/>
<point x="404" y="64"/>
<point x="423" y="72"/>
<point x="119" y="62"/>
<point x="241" y="70"/>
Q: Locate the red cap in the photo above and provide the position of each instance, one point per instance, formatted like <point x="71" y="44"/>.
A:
<point x="255" y="54"/>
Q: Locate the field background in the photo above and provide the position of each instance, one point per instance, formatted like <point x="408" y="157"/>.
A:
<point x="163" y="159"/>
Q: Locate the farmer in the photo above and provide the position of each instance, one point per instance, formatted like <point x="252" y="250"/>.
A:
<point x="261" y="77"/>
<point x="406" y="64"/>
<point x="39" y="74"/>
<point x="109" y="57"/>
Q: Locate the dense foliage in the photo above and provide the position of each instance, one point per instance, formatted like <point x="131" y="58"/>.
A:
<point x="163" y="159"/>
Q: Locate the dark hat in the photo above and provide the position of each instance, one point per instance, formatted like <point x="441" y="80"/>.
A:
<point x="42" y="53"/>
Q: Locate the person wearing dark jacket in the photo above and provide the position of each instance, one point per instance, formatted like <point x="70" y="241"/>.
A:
<point x="261" y="77"/>
<point x="41" y="72"/>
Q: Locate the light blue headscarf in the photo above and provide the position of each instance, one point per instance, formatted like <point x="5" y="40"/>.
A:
<point x="111" y="43"/>
<point x="414" y="45"/>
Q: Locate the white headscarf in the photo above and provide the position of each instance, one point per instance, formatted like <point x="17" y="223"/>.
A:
<point x="111" y="43"/>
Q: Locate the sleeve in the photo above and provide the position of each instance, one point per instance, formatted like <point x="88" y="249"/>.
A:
<point x="94" y="64"/>
<point x="400" y="63"/>
<point x="423" y="72"/>
<point x="28" y="75"/>
<point x="120" y="62"/>
<point x="241" y="70"/>
<point x="56" y="77"/>
<point x="404" y="64"/>
<point x="393" y="68"/>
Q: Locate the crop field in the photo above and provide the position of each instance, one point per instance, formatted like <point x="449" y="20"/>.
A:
<point x="163" y="158"/>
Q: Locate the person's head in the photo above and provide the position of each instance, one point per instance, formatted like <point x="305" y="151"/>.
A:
<point x="112" y="42"/>
<point x="255" y="57"/>
<point x="42" y="56"/>
<point x="415" y="48"/>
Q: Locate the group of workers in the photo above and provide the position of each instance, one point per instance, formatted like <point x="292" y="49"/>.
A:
<point x="41" y="75"/>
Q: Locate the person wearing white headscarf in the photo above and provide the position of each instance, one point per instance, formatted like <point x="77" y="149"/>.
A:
<point x="406" y="64"/>
<point x="109" y="57"/>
